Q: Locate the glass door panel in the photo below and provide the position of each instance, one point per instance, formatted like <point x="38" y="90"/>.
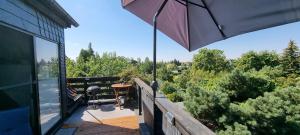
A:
<point x="17" y="78"/>
<point x="48" y="82"/>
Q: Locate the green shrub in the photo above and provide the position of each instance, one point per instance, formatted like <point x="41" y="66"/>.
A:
<point x="128" y="74"/>
<point x="206" y="106"/>
<point x="240" y="86"/>
<point x="276" y="113"/>
<point x="175" y="97"/>
<point x="236" y="129"/>
<point x="167" y="88"/>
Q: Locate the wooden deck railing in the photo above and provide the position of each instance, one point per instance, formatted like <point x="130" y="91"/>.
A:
<point x="81" y="85"/>
<point x="170" y="119"/>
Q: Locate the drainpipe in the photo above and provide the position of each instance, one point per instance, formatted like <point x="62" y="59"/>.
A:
<point x="154" y="83"/>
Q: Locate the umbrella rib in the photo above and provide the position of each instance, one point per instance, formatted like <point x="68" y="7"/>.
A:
<point x="188" y="25"/>
<point x="207" y="9"/>
<point x="214" y="19"/>
<point x="193" y="3"/>
<point x="180" y="2"/>
<point x="197" y="5"/>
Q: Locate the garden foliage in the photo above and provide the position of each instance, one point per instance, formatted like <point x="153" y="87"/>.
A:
<point x="256" y="94"/>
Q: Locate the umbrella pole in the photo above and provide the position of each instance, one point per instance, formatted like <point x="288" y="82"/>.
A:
<point x="154" y="83"/>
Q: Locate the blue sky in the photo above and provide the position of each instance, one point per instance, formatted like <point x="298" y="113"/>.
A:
<point x="110" y="28"/>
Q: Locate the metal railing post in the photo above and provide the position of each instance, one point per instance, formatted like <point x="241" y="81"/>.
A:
<point x="139" y="99"/>
<point x="85" y="90"/>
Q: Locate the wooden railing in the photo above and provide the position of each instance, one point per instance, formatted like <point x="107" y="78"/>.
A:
<point x="81" y="85"/>
<point x="169" y="118"/>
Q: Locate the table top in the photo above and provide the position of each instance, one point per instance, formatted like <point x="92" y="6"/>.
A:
<point x="120" y="85"/>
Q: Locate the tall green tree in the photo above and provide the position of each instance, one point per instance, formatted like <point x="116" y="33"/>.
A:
<point x="257" y="60"/>
<point x="70" y="67"/>
<point x="290" y="59"/>
<point x="176" y="62"/>
<point x="165" y="74"/>
<point x="211" y="60"/>
<point x="85" y="54"/>
<point x="146" y="66"/>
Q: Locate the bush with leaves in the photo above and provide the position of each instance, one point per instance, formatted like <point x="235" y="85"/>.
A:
<point x="182" y="79"/>
<point x="240" y="85"/>
<point x="175" y="97"/>
<point x="165" y="74"/>
<point x="235" y="129"/>
<point x="276" y="113"/>
<point x="127" y="75"/>
<point x="206" y="106"/>
<point x="167" y="88"/>
<point x="171" y="91"/>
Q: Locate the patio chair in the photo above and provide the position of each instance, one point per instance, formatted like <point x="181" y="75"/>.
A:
<point x="15" y="122"/>
<point x="74" y="99"/>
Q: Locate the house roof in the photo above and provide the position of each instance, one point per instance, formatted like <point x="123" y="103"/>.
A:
<point x="54" y="11"/>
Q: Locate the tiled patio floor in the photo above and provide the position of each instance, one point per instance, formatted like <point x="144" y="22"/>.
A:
<point x="105" y="120"/>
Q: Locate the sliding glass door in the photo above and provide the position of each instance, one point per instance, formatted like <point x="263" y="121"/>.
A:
<point x="17" y="81"/>
<point x="47" y="59"/>
<point x="29" y="82"/>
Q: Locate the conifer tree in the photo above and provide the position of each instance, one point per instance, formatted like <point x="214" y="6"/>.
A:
<point x="291" y="59"/>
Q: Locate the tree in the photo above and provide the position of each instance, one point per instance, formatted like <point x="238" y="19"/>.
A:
<point x="165" y="74"/>
<point x="276" y="113"/>
<point x="86" y="54"/>
<point x="254" y="60"/>
<point x="241" y="86"/>
<point x="70" y="64"/>
<point x="176" y="62"/>
<point x="146" y="66"/>
<point x="183" y="79"/>
<point x="290" y="59"/>
<point x="211" y="60"/>
<point x="206" y="106"/>
<point x="128" y="74"/>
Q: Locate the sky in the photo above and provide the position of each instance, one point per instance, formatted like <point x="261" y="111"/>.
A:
<point x="110" y="28"/>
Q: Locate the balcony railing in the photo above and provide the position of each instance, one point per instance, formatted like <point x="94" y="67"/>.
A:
<point x="81" y="85"/>
<point x="169" y="118"/>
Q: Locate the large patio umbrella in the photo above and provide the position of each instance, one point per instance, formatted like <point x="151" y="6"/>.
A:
<point x="196" y="23"/>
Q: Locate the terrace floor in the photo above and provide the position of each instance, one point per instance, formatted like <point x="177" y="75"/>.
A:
<point x="104" y="120"/>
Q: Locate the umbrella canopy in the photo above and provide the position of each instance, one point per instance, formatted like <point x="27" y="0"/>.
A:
<point x="196" y="23"/>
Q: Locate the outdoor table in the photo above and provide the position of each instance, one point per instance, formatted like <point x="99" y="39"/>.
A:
<point x="119" y="86"/>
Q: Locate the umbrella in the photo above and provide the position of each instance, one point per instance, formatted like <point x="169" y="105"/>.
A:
<point x="196" y="23"/>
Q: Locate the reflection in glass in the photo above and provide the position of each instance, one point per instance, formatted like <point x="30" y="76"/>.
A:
<point x="48" y="81"/>
<point x="16" y="78"/>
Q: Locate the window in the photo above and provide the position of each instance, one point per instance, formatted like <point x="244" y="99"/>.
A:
<point x="48" y="82"/>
